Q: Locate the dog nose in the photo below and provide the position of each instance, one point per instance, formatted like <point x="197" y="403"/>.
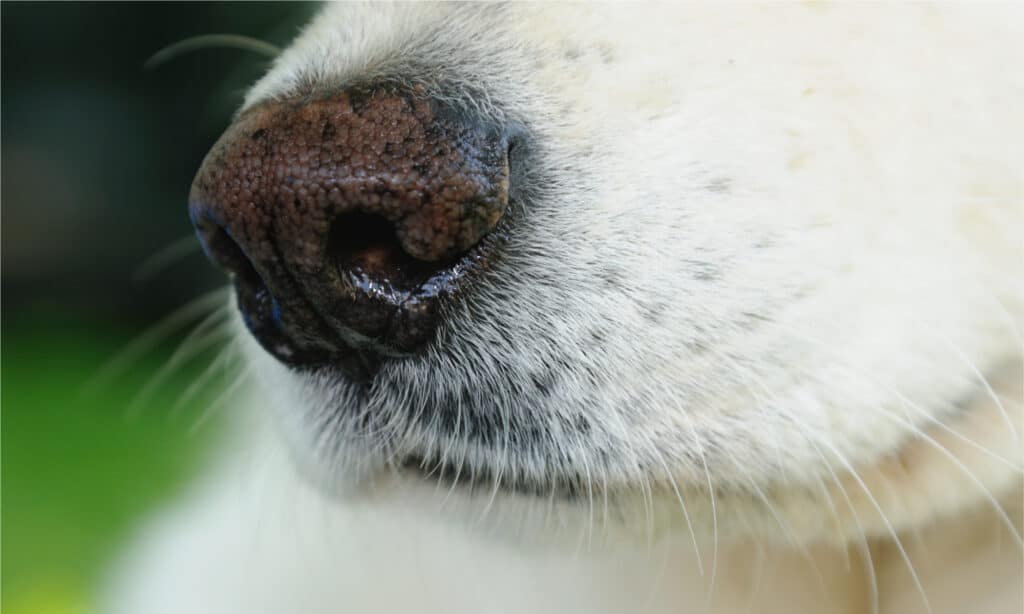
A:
<point x="347" y="222"/>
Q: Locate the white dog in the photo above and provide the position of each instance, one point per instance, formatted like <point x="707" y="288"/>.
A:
<point x="630" y="308"/>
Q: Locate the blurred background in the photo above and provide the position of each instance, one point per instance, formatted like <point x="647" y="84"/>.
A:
<point x="100" y="425"/>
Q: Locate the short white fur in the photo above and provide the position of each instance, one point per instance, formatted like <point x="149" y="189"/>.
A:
<point x="769" y="253"/>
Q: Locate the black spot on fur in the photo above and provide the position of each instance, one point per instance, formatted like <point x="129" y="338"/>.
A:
<point x="719" y="185"/>
<point x="612" y="277"/>
<point x="544" y="382"/>
<point x="706" y="271"/>
<point x="696" y="347"/>
<point x="653" y="313"/>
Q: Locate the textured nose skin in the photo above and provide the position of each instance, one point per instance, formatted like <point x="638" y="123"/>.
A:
<point x="346" y="220"/>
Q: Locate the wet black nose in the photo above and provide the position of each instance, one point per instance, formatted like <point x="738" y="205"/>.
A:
<point x="346" y="223"/>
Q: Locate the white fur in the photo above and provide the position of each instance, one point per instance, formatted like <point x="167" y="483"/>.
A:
<point x="773" y="250"/>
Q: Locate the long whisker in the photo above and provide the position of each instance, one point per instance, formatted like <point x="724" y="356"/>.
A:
<point x="503" y="456"/>
<point x="984" y="382"/>
<point x="790" y="536"/>
<point x="604" y="502"/>
<point x="924" y="436"/>
<point x="917" y="408"/>
<point x="221" y="400"/>
<point x="165" y="257"/>
<point x="749" y="373"/>
<point x="771" y="509"/>
<point x="868" y="560"/>
<point x="194" y="344"/>
<point x="456" y="436"/>
<point x="836" y="522"/>
<point x="446" y="453"/>
<point x="686" y="514"/>
<point x="885" y="520"/>
<point x="805" y="553"/>
<point x="207" y="41"/>
<point x="714" y="512"/>
<point x="967" y="473"/>
<point x="646" y="490"/>
<point x="220" y="363"/>
<point x="590" y="503"/>
<point x="154" y="335"/>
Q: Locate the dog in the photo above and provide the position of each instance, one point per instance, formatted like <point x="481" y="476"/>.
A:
<point x="616" y="308"/>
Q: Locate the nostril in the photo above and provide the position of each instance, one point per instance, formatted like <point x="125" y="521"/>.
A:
<point x="225" y="251"/>
<point x="355" y="234"/>
<point x="368" y="246"/>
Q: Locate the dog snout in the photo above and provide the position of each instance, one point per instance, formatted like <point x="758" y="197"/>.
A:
<point x="345" y="222"/>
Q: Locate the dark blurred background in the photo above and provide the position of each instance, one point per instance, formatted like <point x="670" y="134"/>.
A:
<point x="97" y="157"/>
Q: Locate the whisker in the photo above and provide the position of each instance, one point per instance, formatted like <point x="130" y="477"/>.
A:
<point x="604" y="500"/>
<point x="590" y="504"/>
<point x="154" y="335"/>
<point x="462" y="452"/>
<point x="686" y="513"/>
<point x="446" y="453"/>
<point x="845" y="366"/>
<point x="165" y="257"/>
<point x="194" y="344"/>
<point x="497" y="475"/>
<point x="220" y="401"/>
<point x="648" y="497"/>
<point x="749" y="373"/>
<point x="968" y="474"/>
<point x="865" y="549"/>
<point x="944" y="451"/>
<point x="791" y="537"/>
<point x="714" y="519"/>
<point x="984" y="382"/>
<point x="714" y="512"/>
<point x="221" y="362"/>
<point x="836" y="522"/>
<point x="885" y="520"/>
<point x="951" y="431"/>
<point x="207" y="41"/>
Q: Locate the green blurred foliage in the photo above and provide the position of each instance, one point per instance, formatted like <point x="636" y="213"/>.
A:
<point x="98" y="155"/>
<point x="79" y="469"/>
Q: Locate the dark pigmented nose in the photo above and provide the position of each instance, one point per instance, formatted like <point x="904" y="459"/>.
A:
<point x="346" y="223"/>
